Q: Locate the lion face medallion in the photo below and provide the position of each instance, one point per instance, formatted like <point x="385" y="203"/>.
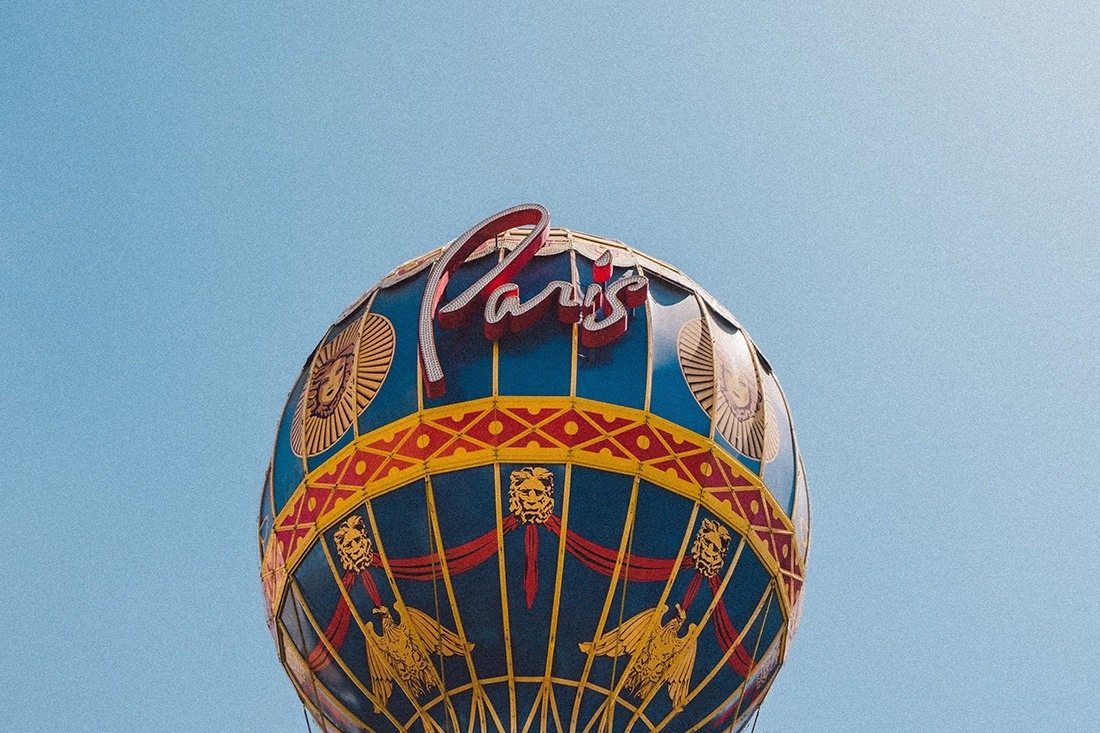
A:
<point x="531" y="495"/>
<point x="712" y="542"/>
<point x="330" y="381"/>
<point x="345" y="375"/>
<point x="353" y="545"/>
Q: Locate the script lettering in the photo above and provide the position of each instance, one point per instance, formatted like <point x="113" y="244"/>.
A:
<point x="601" y="313"/>
<point x="456" y="312"/>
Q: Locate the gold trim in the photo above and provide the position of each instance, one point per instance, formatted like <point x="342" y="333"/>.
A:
<point x="344" y="376"/>
<point x="523" y="680"/>
<point x="401" y="465"/>
<point x="731" y="393"/>
<point x="624" y="542"/>
<point x="739" y="692"/>
<point x="479" y="698"/>
<point x="420" y="709"/>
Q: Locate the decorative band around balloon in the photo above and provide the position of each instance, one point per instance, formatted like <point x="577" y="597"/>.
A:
<point x="549" y="430"/>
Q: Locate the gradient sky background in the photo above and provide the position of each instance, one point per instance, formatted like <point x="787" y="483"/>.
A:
<point x="899" y="201"/>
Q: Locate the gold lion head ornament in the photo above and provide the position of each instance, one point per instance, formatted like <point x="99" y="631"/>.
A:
<point x="712" y="541"/>
<point x="531" y="495"/>
<point x="353" y="545"/>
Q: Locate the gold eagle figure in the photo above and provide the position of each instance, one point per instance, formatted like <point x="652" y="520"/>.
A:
<point x="402" y="652"/>
<point x="658" y="653"/>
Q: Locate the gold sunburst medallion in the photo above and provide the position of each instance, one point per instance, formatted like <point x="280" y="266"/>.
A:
<point x="727" y="385"/>
<point x="344" y="377"/>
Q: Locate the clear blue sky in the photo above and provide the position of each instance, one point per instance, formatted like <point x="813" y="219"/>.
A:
<point x="899" y="200"/>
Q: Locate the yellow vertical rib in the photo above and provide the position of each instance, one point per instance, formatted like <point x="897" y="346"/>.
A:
<point x="755" y="652"/>
<point x="606" y="712"/>
<point x="280" y="643"/>
<point x="545" y="694"/>
<point x="336" y="658"/>
<point x="506" y="623"/>
<point x="664" y="599"/>
<point x="694" y="636"/>
<point x="628" y="526"/>
<point x="363" y="628"/>
<point x="768" y="595"/>
<point x="478" y="692"/>
<point x="554" y="710"/>
<point x="424" y="717"/>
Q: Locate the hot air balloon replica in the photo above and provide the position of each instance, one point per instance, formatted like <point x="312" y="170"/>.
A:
<point x="533" y="481"/>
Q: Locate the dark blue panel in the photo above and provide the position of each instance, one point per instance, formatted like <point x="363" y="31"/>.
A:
<point x="566" y="696"/>
<point x="659" y="526"/>
<point x="630" y="599"/>
<point x="402" y="517"/>
<point x="530" y="625"/>
<point x="464" y="352"/>
<point x="598" y="503"/>
<point x="742" y="595"/>
<point x="297" y="626"/>
<point x="779" y="474"/>
<point x="288" y="469"/>
<point x="322" y="596"/>
<point x="749" y="580"/>
<point x="615" y="373"/>
<point x="317" y="585"/>
<point x="538" y="360"/>
<point x="773" y="625"/>
<point x="353" y="650"/>
<point x="660" y="521"/>
<point x="757" y="641"/>
<point x="670" y="308"/>
<point x="460" y="704"/>
<point x="397" y="397"/>
<point x="466" y="506"/>
<point x="526" y="694"/>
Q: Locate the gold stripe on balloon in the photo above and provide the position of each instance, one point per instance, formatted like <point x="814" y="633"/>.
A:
<point x="531" y="430"/>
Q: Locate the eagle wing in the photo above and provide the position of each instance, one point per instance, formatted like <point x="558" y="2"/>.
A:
<point x="430" y="635"/>
<point x="381" y="676"/>
<point x="627" y="637"/>
<point x="679" y="675"/>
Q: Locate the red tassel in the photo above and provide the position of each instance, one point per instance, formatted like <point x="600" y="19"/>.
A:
<point x="531" y="578"/>
<point x="726" y="633"/>
<point x="335" y="632"/>
<point x="603" y="559"/>
<point x="692" y="591"/>
<point x="459" y="559"/>
<point x="372" y="589"/>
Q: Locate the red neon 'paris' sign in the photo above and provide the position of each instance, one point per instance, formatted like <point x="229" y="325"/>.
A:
<point x="601" y="312"/>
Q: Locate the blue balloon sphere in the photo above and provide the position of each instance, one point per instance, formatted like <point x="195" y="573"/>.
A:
<point x="534" y="480"/>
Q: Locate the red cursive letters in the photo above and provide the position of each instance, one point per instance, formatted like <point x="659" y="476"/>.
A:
<point x="503" y="311"/>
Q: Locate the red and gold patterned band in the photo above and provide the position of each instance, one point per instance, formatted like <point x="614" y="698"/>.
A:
<point x="534" y="430"/>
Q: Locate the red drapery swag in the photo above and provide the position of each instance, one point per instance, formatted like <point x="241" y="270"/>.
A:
<point x="594" y="556"/>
